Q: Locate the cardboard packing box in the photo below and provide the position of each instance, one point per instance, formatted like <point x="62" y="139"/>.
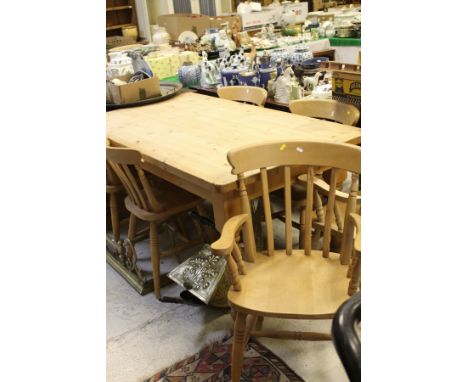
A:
<point x="346" y="86"/>
<point x="175" y="24"/>
<point x="215" y="22"/>
<point x="134" y="92"/>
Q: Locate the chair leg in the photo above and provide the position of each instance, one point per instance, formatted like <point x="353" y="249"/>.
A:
<point x="115" y="220"/>
<point x="132" y="221"/>
<point x="155" y="259"/>
<point x="238" y="346"/>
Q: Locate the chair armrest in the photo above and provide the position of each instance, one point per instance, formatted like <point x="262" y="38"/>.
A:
<point x="324" y="188"/>
<point x="223" y="246"/>
<point x="356" y="221"/>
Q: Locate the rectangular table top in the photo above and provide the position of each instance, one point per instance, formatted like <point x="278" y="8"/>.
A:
<point x="190" y="134"/>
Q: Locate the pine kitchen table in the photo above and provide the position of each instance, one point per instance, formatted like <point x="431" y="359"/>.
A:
<point x="185" y="139"/>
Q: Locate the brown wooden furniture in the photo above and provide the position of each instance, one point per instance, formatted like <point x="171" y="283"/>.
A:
<point x="326" y="109"/>
<point x="120" y="14"/>
<point x="290" y="283"/>
<point x="148" y="203"/>
<point x="247" y="94"/>
<point x="185" y="139"/>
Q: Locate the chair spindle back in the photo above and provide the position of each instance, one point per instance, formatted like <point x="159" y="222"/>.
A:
<point x="289" y="155"/>
<point x="126" y="164"/>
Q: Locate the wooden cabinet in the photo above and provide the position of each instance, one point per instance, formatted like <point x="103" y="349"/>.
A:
<point x="119" y="14"/>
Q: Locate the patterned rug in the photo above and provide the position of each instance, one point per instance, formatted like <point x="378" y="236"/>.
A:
<point x="213" y="364"/>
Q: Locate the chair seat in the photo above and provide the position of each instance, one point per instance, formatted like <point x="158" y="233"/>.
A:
<point x="173" y="199"/>
<point x="295" y="286"/>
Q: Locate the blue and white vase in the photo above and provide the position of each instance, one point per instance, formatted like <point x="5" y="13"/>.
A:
<point x="279" y="54"/>
<point x="300" y="54"/>
<point x="189" y="74"/>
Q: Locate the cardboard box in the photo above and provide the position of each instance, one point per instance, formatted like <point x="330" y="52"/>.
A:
<point x="134" y="92"/>
<point x="175" y="24"/>
<point x="346" y="86"/>
<point x="215" y="22"/>
<point x="115" y="41"/>
<point x="255" y="20"/>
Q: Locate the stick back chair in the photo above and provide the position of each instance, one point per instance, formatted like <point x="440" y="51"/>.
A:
<point x="291" y="283"/>
<point x="337" y="112"/>
<point x="151" y="205"/>
<point x="328" y="109"/>
<point x="249" y="94"/>
<point x="113" y="188"/>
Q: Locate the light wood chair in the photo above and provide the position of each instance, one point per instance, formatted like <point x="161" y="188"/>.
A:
<point x="337" y="112"/>
<point x="326" y="109"/>
<point x="249" y="94"/>
<point x="291" y="283"/>
<point x="150" y="204"/>
<point x="113" y="188"/>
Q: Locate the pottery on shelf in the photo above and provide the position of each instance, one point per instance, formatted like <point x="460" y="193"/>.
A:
<point x="160" y="35"/>
<point x="300" y="54"/>
<point x="209" y="74"/>
<point x="249" y="78"/>
<point x="230" y="75"/>
<point x="281" y="54"/>
<point x="189" y="74"/>
<point x="119" y="65"/>
<point x="130" y="31"/>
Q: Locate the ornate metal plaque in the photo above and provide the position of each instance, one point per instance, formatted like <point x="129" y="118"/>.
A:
<point x="200" y="274"/>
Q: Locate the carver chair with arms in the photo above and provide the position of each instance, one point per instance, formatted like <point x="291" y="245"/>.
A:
<point x="151" y="203"/>
<point x="291" y="283"/>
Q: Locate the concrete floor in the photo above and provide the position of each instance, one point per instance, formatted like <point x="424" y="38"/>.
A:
<point x="145" y="335"/>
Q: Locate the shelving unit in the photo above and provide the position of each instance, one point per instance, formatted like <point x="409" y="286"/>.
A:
<point x="119" y="14"/>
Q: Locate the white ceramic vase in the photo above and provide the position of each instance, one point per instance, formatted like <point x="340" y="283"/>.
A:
<point x="160" y="35"/>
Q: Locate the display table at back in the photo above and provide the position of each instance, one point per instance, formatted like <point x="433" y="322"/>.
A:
<point x="185" y="141"/>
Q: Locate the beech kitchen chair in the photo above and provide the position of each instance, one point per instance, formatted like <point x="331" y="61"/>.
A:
<point x="328" y="109"/>
<point x="113" y="188"/>
<point x="249" y="94"/>
<point x="335" y="111"/>
<point x="151" y="204"/>
<point x="291" y="283"/>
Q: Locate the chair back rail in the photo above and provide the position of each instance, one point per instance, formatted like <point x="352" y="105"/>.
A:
<point x="328" y="109"/>
<point x="126" y="164"/>
<point x="312" y="155"/>
<point x="250" y="94"/>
